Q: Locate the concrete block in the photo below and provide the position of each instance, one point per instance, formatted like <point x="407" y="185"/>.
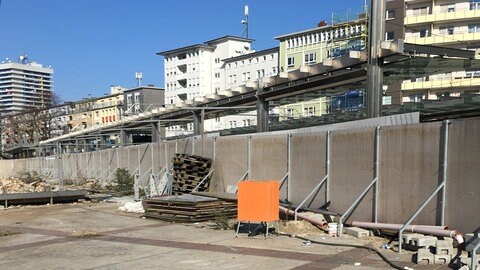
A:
<point x="408" y="237"/>
<point x="424" y="256"/>
<point x="424" y="241"/>
<point x="442" y="259"/>
<point x="357" y="232"/>
<point x="443" y="247"/>
<point x="462" y="261"/>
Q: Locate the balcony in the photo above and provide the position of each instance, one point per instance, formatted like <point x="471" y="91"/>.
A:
<point x="443" y="39"/>
<point x="457" y="85"/>
<point x="438" y="17"/>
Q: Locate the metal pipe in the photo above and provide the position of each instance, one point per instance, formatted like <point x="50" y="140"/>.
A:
<point x="302" y="216"/>
<point x="474" y="256"/>
<point x="314" y="190"/>
<point x="425" y="229"/>
<point x="354" y="204"/>
<point x="415" y="214"/>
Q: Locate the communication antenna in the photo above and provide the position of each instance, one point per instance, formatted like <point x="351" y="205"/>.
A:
<point x="138" y="77"/>
<point x="245" y="21"/>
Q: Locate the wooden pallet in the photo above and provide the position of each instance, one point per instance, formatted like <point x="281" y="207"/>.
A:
<point x="188" y="173"/>
<point x="188" y="208"/>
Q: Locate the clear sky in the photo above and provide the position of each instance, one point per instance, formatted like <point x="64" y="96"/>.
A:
<point x="93" y="44"/>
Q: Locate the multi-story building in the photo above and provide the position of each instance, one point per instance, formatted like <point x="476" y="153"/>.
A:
<point x="313" y="46"/>
<point x="445" y="23"/>
<point x="94" y="111"/>
<point x="196" y="70"/>
<point x="142" y="99"/>
<point x="24" y="85"/>
<point x="251" y="67"/>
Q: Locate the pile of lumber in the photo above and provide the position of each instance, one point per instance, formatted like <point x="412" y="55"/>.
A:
<point x="188" y="208"/>
<point x="188" y="172"/>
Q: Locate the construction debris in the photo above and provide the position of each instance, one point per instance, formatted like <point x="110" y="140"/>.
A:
<point x="188" y="173"/>
<point x="16" y="185"/>
<point x="188" y="208"/>
<point x="132" y="207"/>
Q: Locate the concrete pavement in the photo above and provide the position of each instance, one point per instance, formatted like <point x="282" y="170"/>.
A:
<point x="98" y="236"/>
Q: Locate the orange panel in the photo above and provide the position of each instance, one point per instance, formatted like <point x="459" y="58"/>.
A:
<point x="258" y="201"/>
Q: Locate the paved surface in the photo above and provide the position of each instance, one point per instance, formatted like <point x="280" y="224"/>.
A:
<point x="98" y="236"/>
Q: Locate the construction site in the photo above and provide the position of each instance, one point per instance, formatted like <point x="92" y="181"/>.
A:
<point x="387" y="187"/>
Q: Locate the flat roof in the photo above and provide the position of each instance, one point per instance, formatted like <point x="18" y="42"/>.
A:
<point x="250" y="55"/>
<point x="318" y="28"/>
<point x="228" y="37"/>
<point x="186" y="48"/>
<point x="209" y="45"/>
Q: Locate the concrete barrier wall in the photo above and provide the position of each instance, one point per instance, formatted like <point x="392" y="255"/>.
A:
<point x="308" y="167"/>
<point x="409" y="171"/>
<point x="463" y="177"/>
<point x="351" y="171"/>
<point x="410" y="167"/>
<point x="230" y="163"/>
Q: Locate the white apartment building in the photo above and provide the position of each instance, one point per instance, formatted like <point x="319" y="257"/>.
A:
<point x="245" y="70"/>
<point x="24" y="85"/>
<point x="196" y="70"/>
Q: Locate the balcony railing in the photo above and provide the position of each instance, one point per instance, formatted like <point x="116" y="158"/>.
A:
<point x="441" y="84"/>
<point x="438" y="16"/>
<point x="443" y="39"/>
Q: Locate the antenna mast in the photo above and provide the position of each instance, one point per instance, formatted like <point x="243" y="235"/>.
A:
<point x="139" y="76"/>
<point x="245" y="21"/>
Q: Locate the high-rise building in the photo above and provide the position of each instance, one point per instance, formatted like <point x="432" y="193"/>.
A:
<point x="24" y="85"/>
<point x="446" y="23"/>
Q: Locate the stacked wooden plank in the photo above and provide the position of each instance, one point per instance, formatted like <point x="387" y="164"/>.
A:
<point x="188" y="172"/>
<point x="188" y="208"/>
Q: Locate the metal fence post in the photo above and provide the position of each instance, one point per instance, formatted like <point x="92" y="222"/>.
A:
<point x="289" y="166"/>
<point x="376" y="173"/>
<point x="446" y="123"/>
<point x="327" y="167"/>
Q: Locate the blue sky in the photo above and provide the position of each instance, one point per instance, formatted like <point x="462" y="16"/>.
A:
<point x="93" y="44"/>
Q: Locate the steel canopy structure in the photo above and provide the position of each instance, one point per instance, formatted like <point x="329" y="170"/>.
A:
<point x="399" y="61"/>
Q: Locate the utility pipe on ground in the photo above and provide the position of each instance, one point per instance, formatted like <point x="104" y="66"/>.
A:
<point x="425" y="229"/>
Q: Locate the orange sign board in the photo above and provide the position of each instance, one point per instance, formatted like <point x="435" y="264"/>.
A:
<point x="258" y="201"/>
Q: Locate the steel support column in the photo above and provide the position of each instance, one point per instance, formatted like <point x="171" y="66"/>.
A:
<point x="376" y="30"/>
<point x="154" y="131"/>
<point x="197" y="123"/>
<point x="262" y="115"/>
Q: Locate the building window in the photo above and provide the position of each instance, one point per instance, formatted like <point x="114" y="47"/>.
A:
<point x="274" y="71"/>
<point x="217" y="60"/>
<point x="423" y="33"/>
<point x="389" y="35"/>
<point x="309" y="111"/>
<point x="289" y="112"/>
<point x="390" y="14"/>
<point x="310" y="58"/>
<point x="420" y="11"/>
<point x="475" y="5"/>
<point x="447" y="8"/>
<point x="217" y="75"/>
<point x="474" y="28"/>
<point x="290" y="62"/>
<point x="446" y="30"/>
